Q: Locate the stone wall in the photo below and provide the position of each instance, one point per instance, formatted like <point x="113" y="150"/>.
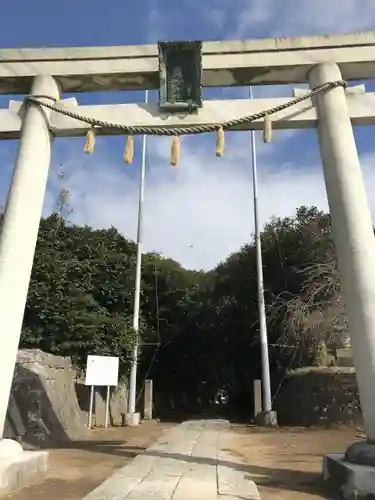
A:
<point x="48" y="405"/>
<point x="319" y="396"/>
<point x="43" y="407"/>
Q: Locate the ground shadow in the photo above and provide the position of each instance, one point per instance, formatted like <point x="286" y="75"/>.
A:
<point x="290" y="480"/>
<point x="275" y="478"/>
<point x="113" y="448"/>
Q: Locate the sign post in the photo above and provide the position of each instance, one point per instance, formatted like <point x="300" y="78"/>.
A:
<point x="91" y="405"/>
<point x="101" y="371"/>
<point x="108" y="397"/>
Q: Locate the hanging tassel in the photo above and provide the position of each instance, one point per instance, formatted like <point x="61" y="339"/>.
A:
<point x="175" y="150"/>
<point x="220" y="142"/>
<point x="267" y="129"/>
<point x="129" y="150"/>
<point x="90" y="142"/>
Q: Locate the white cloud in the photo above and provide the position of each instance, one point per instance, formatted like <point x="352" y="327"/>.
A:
<point x="304" y="17"/>
<point x="275" y="18"/>
<point x="201" y="211"/>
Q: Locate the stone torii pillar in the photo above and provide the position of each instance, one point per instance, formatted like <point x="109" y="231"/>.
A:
<point x="20" y="227"/>
<point x="352" y="230"/>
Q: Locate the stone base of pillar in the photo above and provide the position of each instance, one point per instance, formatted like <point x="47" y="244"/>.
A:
<point x="266" y="419"/>
<point x="351" y="481"/>
<point x="132" y="419"/>
<point x="361" y="453"/>
<point x="19" y="468"/>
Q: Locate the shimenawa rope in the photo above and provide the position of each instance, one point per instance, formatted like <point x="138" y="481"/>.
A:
<point x="176" y="132"/>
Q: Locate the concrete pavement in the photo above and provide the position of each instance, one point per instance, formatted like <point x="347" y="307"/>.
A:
<point x="188" y="463"/>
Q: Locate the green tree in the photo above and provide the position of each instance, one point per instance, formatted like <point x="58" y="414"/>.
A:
<point x="199" y="332"/>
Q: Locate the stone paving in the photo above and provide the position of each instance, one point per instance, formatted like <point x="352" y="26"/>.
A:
<point x="187" y="463"/>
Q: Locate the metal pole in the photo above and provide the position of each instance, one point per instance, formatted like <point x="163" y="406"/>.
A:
<point x="266" y="380"/>
<point x="107" y="400"/>
<point x="137" y="290"/>
<point x="91" y="406"/>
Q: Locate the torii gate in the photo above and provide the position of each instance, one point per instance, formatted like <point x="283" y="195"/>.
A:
<point x="45" y="73"/>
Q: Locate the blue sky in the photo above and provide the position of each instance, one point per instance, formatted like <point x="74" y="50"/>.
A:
<point x="202" y="211"/>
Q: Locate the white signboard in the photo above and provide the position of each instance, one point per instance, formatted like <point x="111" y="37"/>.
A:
<point x="102" y="370"/>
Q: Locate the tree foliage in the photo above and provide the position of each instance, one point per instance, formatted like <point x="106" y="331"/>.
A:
<point x="199" y="330"/>
<point x="80" y="292"/>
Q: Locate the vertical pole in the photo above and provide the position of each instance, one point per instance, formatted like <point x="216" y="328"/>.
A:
<point x="266" y="379"/>
<point x="352" y="230"/>
<point x="148" y="400"/>
<point x="20" y="225"/>
<point x="91" y="406"/>
<point x="137" y="290"/>
<point x="107" y="405"/>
